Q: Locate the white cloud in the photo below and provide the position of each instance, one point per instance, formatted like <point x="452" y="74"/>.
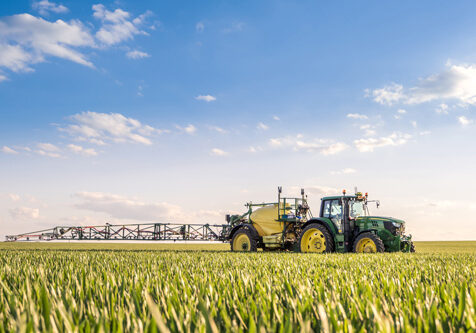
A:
<point x="369" y="129"/>
<point x="414" y="124"/>
<point x="25" y="213"/>
<point x="116" y="25"/>
<point x="199" y="27"/>
<point x="206" y="98"/>
<point x="369" y="144"/>
<point x="128" y="208"/>
<point x="262" y="126"/>
<point x="334" y="148"/>
<point x="345" y="171"/>
<point x="136" y="54"/>
<point x="455" y="82"/>
<point x="8" y="150"/>
<point x="81" y="150"/>
<point x="388" y="95"/>
<point x="442" y="109"/>
<point x="401" y="111"/>
<point x="44" y="7"/>
<point x="48" y="149"/>
<point x="218" y="152"/>
<point x="253" y="149"/>
<point x="464" y="121"/>
<point x="47" y="153"/>
<point x="99" y="128"/>
<point x="276" y="118"/>
<point x="298" y="143"/>
<point x="190" y="129"/>
<point x="357" y="116"/>
<point x="318" y="190"/>
<point x="218" y="129"/>
<point x="26" y="40"/>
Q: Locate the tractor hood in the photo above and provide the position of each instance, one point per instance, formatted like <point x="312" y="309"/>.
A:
<point x="381" y="218"/>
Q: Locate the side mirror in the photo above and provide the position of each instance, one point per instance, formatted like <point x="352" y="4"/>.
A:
<point x="378" y="203"/>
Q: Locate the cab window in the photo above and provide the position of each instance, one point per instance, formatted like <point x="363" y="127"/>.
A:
<point x="326" y="212"/>
<point x="336" y="209"/>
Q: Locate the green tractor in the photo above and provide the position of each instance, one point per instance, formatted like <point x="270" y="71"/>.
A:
<point x="344" y="225"/>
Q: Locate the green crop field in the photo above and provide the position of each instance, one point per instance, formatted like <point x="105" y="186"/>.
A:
<point x="187" y="288"/>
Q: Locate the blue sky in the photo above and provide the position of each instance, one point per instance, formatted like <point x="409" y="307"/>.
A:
<point x="167" y="111"/>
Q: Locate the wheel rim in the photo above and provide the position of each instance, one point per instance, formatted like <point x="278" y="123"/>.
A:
<point x="313" y="240"/>
<point x="241" y="243"/>
<point x="366" y="245"/>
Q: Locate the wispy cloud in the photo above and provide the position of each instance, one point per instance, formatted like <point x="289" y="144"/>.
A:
<point x="48" y="149"/>
<point x="262" y="126"/>
<point x="206" y="98"/>
<point x="121" y="207"/>
<point x="117" y="25"/>
<point x="99" y="128"/>
<point x="345" y="171"/>
<point x="26" y="40"/>
<point x="369" y="144"/>
<point x="218" y="152"/>
<point x="189" y="129"/>
<point x="8" y="150"/>
<point x="442" y="109"/>
<point x="136" y="54"/>
<point x="299" y="143"/>
<point x="218" y="129"/>
<point x="357" y="116"/>
<point x="25" y="213"/>
<point x="81" y="150"/>
<point x="44" y="7"/>
<point x="464" y="121"/>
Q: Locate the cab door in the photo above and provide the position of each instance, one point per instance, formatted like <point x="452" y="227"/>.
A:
<point x="333" y="210"/>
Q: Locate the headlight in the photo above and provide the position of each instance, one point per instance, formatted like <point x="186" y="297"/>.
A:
<point x="396" y="225"/>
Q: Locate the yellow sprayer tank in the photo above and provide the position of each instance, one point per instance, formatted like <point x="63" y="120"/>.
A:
<point x="265" y="220"/>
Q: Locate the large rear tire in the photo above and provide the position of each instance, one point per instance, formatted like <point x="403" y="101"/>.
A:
<point x="243" y="241"/>
<point x="316" y="238"/>
<point x="368" y="242"/>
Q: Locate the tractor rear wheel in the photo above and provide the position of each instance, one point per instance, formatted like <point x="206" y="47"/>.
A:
<point x="368" y="242"/>
<point x="316" y="238"/>
<point x="243" y="241"/>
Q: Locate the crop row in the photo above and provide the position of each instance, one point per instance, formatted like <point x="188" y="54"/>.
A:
<point x="186" y="291"/>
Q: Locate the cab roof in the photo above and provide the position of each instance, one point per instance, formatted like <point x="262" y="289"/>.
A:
<point x="338" y="197"/>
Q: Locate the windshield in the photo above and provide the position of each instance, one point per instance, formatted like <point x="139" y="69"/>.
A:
<point x="357" y="208"/>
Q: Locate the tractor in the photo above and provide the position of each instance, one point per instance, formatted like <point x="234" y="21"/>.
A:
<point x="344" y="225"/>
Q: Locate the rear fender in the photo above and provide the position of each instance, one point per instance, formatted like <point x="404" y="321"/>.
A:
<point x="327" y="224"/>
<point x="247" y="226"/>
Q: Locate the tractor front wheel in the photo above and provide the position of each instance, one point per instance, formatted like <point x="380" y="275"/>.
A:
<point x="368" y="242"/>
<point x="243" y="241"/>
<point x="316" y="238"/>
